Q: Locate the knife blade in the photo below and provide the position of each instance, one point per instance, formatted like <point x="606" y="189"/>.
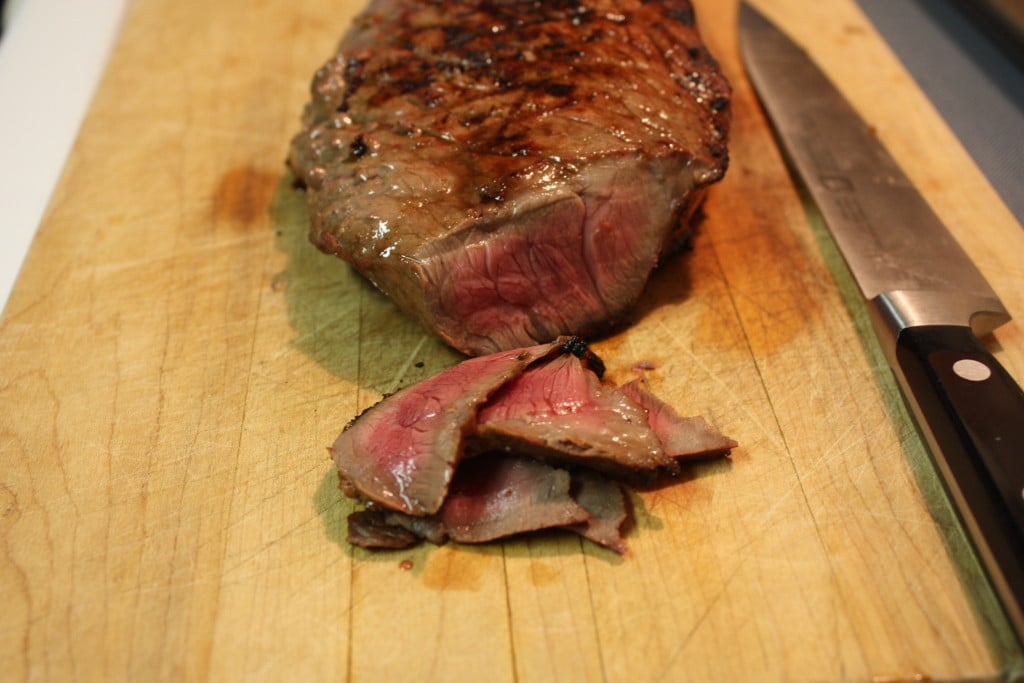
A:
<point x="927" y="300"/>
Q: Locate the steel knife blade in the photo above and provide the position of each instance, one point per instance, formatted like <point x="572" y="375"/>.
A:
<point x="928" y="302"/>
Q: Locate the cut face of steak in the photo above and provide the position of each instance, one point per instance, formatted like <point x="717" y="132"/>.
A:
<point x="497" y="496"/>
<point x="461" y="455"/>
<point x="510" y="171"/>
<point x="561" y="412"/>
<point x="402" y="452"/>
<point x="680" y="437"/>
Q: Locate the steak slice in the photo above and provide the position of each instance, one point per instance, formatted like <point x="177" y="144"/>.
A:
<point x="498" y="497"/>
<point x="561" y="412"/>
<point x="373" y="528"/>
<point x="460" y="455"/>
<point x="402" y="452"/>
<point x="510" y="171"/>
<point x="490" y="498"/>
<point x="606" y="503"/>
<point x="680" y="437"/>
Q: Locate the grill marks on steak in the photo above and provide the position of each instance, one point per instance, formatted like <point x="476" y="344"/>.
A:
<point x="471" y="158"/>
<point x="508" y="443"/>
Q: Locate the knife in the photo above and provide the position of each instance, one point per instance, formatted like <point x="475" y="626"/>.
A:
<point x="927" y="301"/>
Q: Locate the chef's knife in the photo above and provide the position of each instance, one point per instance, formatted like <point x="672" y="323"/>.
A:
<point x="927" y="300"/>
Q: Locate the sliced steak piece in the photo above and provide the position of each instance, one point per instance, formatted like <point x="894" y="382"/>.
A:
<point x="502" y="496"/>
<point x="561" y="412"/>
<point x="605" y="500"/>
<point x="402" y="452"/>
<point x="459" y="455"/>
<point x="490" y="498"/>
<point x="681" y="437"/>
<point x="510" y="171"/>
<point x="373" y="528"/>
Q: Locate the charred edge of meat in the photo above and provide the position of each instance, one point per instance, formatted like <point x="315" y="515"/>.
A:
<point x="345" y="485"/>
<point x="365" y="410"/>
<point x="686" y="17"/>
<point x="357" y="148"/>
<point x="353" y="79"/>
<point x="696" y="468"/>
<point x="371" y="529"/>
<point x="577" y="347"/>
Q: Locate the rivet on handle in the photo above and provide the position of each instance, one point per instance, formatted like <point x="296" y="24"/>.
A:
<point x="971" y="370"/>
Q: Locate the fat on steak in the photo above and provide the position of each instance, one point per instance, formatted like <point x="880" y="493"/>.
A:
<point x="510" y="171"/>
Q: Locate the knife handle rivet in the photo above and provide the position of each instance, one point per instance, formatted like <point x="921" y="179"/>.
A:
<point x="971" y="370"/>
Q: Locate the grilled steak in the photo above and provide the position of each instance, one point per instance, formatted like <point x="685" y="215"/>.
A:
<point x="680" y="437"/>
<point x="489" y="499"/>
<point x="461" y="455"/>
<point x="561" y="412"/>
<point x="500" y="496"/>
<point x="403" y="451"/>
<point x="510" y="171"/>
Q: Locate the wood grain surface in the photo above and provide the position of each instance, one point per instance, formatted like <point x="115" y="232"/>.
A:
<point x="175" y="358"/>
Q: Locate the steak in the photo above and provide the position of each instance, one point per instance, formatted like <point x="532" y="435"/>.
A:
<point x="509" y="171"/>
<point x="403" y="451"/>
<point x="605" y="502"/>
<point x="562" y="413"/>
<point x="680" y="437"/>
<point x="510" y="442"/>
<point x="501" y="496"/>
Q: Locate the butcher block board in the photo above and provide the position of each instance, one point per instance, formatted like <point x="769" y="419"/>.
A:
<point x="175" y="358"/>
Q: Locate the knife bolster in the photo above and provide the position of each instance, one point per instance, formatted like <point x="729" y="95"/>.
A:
<point x="893" y="312"/>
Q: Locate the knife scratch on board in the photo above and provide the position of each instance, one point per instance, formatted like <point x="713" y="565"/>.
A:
<point x="313" y="333"/>
<point x="698" y="623"/>
<point x="673" y="339"/>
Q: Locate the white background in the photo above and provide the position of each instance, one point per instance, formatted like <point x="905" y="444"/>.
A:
<point x="52" y="54"/>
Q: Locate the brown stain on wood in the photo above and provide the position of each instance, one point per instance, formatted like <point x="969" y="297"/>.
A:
<point x="243" y="196"/>
<point x="455" y="569"/>
<point x="542" y="574"/>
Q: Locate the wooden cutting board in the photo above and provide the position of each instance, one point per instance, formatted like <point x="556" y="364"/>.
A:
<point x="175" y="358"/>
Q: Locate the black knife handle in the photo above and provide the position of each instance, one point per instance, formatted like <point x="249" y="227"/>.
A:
<point x="973" y="413"/>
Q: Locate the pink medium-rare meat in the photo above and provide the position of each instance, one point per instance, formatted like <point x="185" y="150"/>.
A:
<point x="503" y="496"/>
<point x="497" y="496"/>
<point x="510" y="171"/>
<point x="461" y="455"/>
<point x="680" y="437"/>
<point x="403" y="451"/>
<point x="562" y="412"/>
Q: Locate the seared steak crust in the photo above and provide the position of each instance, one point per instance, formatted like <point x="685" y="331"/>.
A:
<point x="508" y="171"/>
